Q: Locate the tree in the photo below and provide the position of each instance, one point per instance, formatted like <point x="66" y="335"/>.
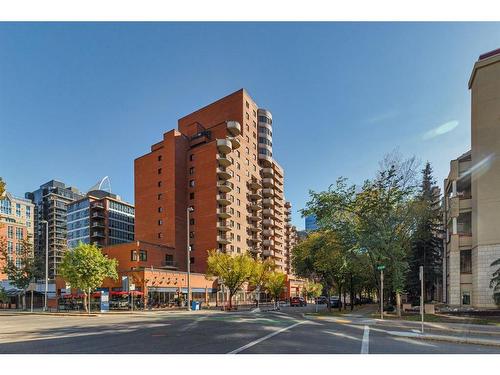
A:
<point x="85" y="267"/>
<point x="260" y="275"/>
<point x="3" y="295"/>
<point x="495" y="282"/>
<point x="379" y="218"/>
<point x="2" y="188"/>
<point x="426" y="244"/>
<point x="234" y="270"/>
<point x="21" y="269"/>
<point x="275" y="285"/>
<point x="312" y="290"/>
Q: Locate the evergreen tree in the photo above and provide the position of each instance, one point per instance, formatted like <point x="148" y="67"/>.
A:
<point x="427" y="243"/>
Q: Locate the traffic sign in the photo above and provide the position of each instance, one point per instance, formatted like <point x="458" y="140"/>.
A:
<point x="381" y="267"/>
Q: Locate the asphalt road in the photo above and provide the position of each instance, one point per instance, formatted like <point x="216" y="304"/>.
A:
<point x="285" y="332"/>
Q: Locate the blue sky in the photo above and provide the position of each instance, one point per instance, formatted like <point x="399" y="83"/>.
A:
<point x="81" y="101"/>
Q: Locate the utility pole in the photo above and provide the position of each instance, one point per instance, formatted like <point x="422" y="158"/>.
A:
<point x="46" y="263"/>
<point x="421" y="274"/>
<point x="381" y="269"/>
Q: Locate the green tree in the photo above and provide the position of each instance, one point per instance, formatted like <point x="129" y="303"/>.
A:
<point x="234" y="270"/>
<point x="260" y="275"/>
<point x="312" y="289"/>
<point x="85" y="267"/>
<point x="378" y="218"/>
<point x="426" y="243"/>
<point x="3" y="295"/>
<point x="22" y="272"/>
<point x="2" y="188"/>
<point x="495" y="282"/>
<point x="275" y="285"/>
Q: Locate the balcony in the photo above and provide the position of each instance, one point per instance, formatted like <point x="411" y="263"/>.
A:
<point x="235" y="142"/>
<point x="224" y="186"/>
<point x="223" y="200"/>
<point x="223" y="240"/>
<point x="254" y="250"/>
<point x="254" y="184"/>
<point x="267" y="253"/>
<point x="254" y="196"/>
<point x="223" y="174"/>
<point x="98" y="205"/>
<point x="267" y="232"/>
<point x="98" y="234"/>
<point x="267" y="202"/>
<point x="254" y="217"/>
<point x="234" y="128"/>
<point x="254" y="229"/>
<point x="267" y="182"/>
<point x="288" y="225"/>
<point x="266" y="160"/>
<point x="288" y="218"/>
<point x="267" y="223"/>
<point x="223" y="213"/>
<point x="254" y="240"/>
<point x="267" y="192"/>
<point x="97" y="224"/>
<point x="224" y="146"/>
<point x="98" y="215"/>
<point x="267" y="213"/>
<point x="223" y="160"/>
<point x="267" y="172"/>
<point x="254" y="206"/>
<point x="222" y="226"/>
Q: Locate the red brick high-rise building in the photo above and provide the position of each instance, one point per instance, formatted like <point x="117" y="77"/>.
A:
<point x="220" y="163"/>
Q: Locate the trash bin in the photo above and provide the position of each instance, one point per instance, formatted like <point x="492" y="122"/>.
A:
<point x="195" y="305"/>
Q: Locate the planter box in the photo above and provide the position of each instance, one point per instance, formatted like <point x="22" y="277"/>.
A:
<point x="406" y="306"/>
<point x="429" y="308"/>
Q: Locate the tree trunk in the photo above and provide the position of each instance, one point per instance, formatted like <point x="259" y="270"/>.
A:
<point x="85" y="307"/>
<point x="340" y="297"/>
<point x="24" y="300"/>
<point x="230" y="300"/>
<point x="398" y="304"/>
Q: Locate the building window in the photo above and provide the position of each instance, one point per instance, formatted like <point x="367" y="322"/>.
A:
<point x="247" y="115"/>
<point x="191" y="234"/>
<point x="160" y="235"/>
<point x="160" y="209"/>
<point x="191" y="221"/>
<point x="238" y="226"/>
<point x="143" y="255"/>
<point x="191" y="170"/>
<point x="466" y="298"/>
<point x="191" y="260"/>
<point x="159" y="183"/>
<point x="248" y="128"/>
<point x="238" y="189"/>
<point x="18" y="209"/>
<point x="191" y="157"/>
<point x="169" y="260"/>
<point x="160" y="222"/>
<point x="133" y="255"/>
<point x="159" y="157"/>
<point x="159" y="196"/>
<point x="10" y="232"/>
<point x="247" y="150"/>
<point x="159" y="170"/>
<point x="191" y="183"/>
<point x="238" y="238"/>
<point x="254" y="114"/>
<point x="238" y="202"/>
<point x="246" y="103"/>
<point x="466" y="261"/>
<point x="191" y="195"/>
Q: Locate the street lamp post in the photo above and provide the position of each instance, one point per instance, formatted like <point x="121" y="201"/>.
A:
<point x="188" y="261"/>
<point x="422" y="310"/>
<point x="46" y="263"/>
<point x="381" y="269"/>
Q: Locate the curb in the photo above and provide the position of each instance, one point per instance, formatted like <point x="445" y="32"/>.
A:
<point x="456" y="340"/>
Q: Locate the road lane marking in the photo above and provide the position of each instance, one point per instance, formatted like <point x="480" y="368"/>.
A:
<point x="249" y="345"/>
<point x="365" y="345"/>
<point x="339" y="334"/>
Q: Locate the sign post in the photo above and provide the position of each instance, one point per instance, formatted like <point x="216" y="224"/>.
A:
<point x="421" y="276"/>
<point x="381" y="269"/>
<point x="104" y="301"/>
<point x="131" y="290"/>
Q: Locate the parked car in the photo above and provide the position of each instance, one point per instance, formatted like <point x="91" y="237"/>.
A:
<point x="321" y="300"/>
<point x="297" y="301"/>
<point x="335" y="302"/>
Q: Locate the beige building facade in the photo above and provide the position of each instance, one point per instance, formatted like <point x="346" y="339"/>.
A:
<point x="473" y="193"/>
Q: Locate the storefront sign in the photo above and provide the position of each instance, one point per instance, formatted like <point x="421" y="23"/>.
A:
<point x="104" y="301"/>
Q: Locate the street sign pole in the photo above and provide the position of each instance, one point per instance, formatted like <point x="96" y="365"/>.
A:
<point x="421" y="274"/>
<point x="381" y="269"/>
<point x="382" y="294"/>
